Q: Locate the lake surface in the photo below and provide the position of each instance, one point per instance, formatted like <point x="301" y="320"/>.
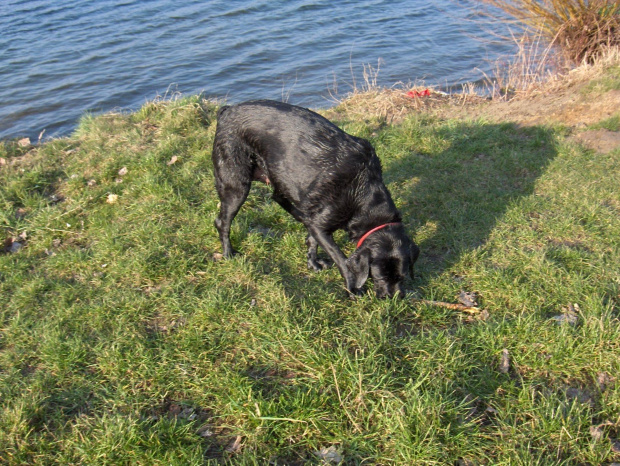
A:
<point x="62" y="58"/>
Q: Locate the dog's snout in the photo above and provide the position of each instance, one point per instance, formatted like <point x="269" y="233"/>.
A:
<point x="389" y="290"/>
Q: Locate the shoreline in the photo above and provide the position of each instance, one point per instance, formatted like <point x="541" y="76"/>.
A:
<point x="395" y="102"/>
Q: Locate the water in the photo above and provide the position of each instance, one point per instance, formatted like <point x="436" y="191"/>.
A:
<point x="59" y="59"/>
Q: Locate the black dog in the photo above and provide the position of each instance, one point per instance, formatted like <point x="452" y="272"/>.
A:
<point x="324" y="177"/>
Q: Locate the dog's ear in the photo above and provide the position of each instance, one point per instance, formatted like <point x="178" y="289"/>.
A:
<point x="359" y="266"/>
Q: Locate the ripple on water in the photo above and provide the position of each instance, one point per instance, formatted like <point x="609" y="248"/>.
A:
<point x="63" y="58"/>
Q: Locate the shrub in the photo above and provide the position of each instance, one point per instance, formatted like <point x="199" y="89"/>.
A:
<point x="579" y="29"/>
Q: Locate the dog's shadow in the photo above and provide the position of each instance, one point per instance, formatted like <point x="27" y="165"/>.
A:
<point x="452" y="199"/>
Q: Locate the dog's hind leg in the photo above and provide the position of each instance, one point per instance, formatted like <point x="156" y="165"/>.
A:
<point x="232" y="182"/>
<point x="232" y="198"/>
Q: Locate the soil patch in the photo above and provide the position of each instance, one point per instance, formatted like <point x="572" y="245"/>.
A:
<point x="601" y="140"/>
<point x="569" y="106"/>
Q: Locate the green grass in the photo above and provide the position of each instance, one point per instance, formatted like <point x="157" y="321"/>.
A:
<point x="608" y="82"/>
<point x="122" y="341"/>
<point x="610" y="124"/>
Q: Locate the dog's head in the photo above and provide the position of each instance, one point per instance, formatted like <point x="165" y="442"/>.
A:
<point x="386" y="256"/>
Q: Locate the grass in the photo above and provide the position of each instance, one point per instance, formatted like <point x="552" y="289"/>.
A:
<point x="610" y="124"/>
<point x="122" y="341"/>
<point x="608" y="82"/>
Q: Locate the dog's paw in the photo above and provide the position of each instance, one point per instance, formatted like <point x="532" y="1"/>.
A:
<point x="229" y="254"/>
<point x="355" y="293"/>
<point x="319" y="264"/>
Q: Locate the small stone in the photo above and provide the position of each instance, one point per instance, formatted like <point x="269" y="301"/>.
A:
<point x="329" y="455"/>
<point x="582" y="396"/>
<point x="15" y="247"/>
<point x="55" y="198"/>
<point x="187" y="413"/>
<point x="604" y="380"/>
<point x="569" y="315"/>
<point x="596" y="432"/>
<point x="468" y="298"/>
<point x="466" y="462"/>
<point x="504" y="364"/>
<point x="206" y="431"/>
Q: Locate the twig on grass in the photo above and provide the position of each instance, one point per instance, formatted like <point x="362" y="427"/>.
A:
<point x="452" y="306"/>
<point x="287" y="419"/>
<point x="57" y="230"/>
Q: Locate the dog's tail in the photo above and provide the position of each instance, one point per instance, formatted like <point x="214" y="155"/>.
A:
<point x="221" y="110"/>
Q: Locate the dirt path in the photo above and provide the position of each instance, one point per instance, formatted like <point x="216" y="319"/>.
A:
<point x="572" y="106"/>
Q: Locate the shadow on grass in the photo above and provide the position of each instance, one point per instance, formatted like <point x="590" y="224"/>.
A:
<point x="453" y="190"/>
<point x="452" y="199"/>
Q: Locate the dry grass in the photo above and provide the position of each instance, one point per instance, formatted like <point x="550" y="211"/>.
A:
<point x="553" y="39"/>
<point x="367" y="100"/>
<point x="387" y="105"/>
<point x="529" y="68"/>
<point x="532" y="70"/>
<point x="577" y="29"/>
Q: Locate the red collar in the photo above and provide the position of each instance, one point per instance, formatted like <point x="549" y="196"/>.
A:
<point x="368" y="233"/>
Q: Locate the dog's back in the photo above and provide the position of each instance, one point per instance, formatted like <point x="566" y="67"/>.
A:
<point x="297" y="149"/>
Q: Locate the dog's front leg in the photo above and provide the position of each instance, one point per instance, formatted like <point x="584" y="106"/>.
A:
<point x="314" y="261"/>
<point x="326" y="241"/>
